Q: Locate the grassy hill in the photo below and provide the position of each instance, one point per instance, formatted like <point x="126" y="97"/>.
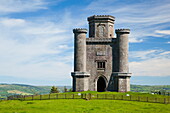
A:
<point x="22" y="89"/>
<point x="61" y="105"/>
<point x="81" y="106"/>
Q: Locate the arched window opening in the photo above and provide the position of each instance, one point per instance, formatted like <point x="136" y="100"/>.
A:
<point x="101" y="84"/>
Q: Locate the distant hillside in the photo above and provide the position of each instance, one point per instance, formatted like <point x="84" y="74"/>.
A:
<point x="22" y="89"/>
<point x="147" y="88"/>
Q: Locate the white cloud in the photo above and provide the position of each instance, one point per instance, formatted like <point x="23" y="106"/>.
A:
<point x="9" y="22"/>
<point x="151" y="67"/>
<point x="135" y="40"/>
<point x="164" y="32"/>
<point x="11" y="6"/>
<point x="153" y="63"/>
<point x="38" y="47"/>
<point x="142" y="17"/>
<point x="168" y="42"/>
<point x="145" y="54"/>
<point x="32" y="49"/>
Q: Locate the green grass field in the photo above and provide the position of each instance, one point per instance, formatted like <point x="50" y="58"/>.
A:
<point x="81" y="106"/>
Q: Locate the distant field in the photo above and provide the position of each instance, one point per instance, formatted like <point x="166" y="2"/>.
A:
<point x="81" y="106"/>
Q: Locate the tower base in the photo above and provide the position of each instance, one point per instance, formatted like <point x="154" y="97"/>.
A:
<point x="80" y="81"/>
<point x="121" y="81"/>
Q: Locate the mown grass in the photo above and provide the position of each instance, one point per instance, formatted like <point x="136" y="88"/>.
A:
<point x="81" y="106"/>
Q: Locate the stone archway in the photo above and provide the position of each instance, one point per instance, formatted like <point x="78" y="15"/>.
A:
<point x="101" y="84"/>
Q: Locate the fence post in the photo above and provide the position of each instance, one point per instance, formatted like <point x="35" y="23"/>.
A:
<point x="114" y="97"/>
<point x="130" y="97"/>
<point x="105" y="96"/>
<point x="85" y="96"/>
<point x="24" y="97"/>
<point x="147" y="99"/>
<point x="65" y="96"/>
<point x="32" y="97"/>
<point x="164" y="100"/>
<point x="40" y="97"/>
<point x="49" y="96"/>
<point x="56" y="96"/>
<point x="97" y="96"/>
<point x="122" y="97"/>
<point x="89" y="96"/>
<point x="138" y="98"/>
<point x="155" y="99"/>
<point x="73" y="96"/>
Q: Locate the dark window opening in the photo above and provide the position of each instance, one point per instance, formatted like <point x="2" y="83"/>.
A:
<point x="101" y="65"/>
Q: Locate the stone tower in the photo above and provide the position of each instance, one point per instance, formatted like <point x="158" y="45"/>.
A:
<point x="101" y="61"/>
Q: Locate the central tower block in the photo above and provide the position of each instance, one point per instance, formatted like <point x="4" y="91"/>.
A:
<point x="101" y="26"/>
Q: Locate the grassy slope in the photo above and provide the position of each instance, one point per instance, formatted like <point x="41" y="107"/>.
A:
<point x="82" y="106"/>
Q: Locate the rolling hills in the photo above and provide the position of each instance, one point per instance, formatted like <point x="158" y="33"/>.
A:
<point x="23" y="89"/>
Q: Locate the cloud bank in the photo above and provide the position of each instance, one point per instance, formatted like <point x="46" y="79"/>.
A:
<point x="150" y="63"/>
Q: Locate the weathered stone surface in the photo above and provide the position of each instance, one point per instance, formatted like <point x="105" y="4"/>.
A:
<point x="123" y="45"/>
<point x="79" y="50"/>
<point x="101" y="56"/>
<point x="101" y="26"/>
<point x="80" y="81"/>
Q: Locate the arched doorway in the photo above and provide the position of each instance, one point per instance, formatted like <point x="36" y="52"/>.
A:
<point x="101" y="84"/>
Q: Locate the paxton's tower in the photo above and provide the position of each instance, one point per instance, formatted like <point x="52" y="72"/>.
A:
<point x="101" y="61"/>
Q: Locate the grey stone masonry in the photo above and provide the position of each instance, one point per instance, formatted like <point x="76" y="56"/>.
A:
<point x="101" y="61"/>
<point x="80" y="76"/>
<point x="79" y="50"/>
<point x="101" y="26"/>
<point x="123" y="45"/>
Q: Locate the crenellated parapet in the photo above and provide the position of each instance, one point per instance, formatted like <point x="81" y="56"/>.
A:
<point x="79" y="30"/>
<point x="101" y="17"/>
<point x="122" y="31"/>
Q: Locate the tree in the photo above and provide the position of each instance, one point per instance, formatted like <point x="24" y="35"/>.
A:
<point x="70" y="90"/>
<point x="54" y="90"/>
<point x="65" y="89"/>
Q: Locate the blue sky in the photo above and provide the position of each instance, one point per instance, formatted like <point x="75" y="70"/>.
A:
<point x="36" y="41"/>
